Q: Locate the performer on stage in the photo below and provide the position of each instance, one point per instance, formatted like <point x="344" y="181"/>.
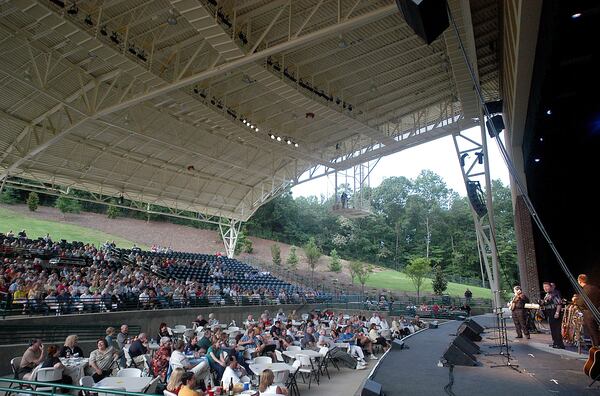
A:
<point x="589" y="323"/>
<point x="519" y="313"/>
<point x="552" y="304"/>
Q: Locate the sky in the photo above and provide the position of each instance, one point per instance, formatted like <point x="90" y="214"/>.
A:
<point x="438" y="156"/>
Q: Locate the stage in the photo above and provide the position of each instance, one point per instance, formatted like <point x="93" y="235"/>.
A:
<point x="542" y="370"/>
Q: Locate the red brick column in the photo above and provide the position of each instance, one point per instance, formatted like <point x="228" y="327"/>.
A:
<point x="528" y="271"/>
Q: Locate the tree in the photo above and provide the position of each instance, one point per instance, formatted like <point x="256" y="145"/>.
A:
<point x="417" y="270"/>
<point x="244" y="244"/>
<point x="113" y="211"/>
<point x="292" y="259"/>
<point x="276" y="254"/>
<point x="312" y="253"/>
<point x="9" y="196"/>
<point x="439" y="281"/>
<point x="334" y="264"/>
<point x="33" y="200"/>
<point x="354" y="268"/>
<point x="67" y="205"/>
<point x="363" y="272"/>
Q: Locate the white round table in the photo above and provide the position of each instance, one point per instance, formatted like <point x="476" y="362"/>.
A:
<point x="307" y="352"/>
<point x="274" y="367"/>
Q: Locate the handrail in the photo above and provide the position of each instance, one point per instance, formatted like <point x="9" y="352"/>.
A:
<point x="61" y="386"/>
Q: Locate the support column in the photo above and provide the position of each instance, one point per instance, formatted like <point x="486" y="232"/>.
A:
<point x="230" y="230"/>
<point x="528" y="271"/>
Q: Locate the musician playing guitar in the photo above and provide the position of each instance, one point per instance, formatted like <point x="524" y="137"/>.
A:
<point x="519" y="313"/>
<point x="552" y="304"/>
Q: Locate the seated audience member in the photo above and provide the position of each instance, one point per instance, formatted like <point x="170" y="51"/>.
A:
<point x="52" y="360"/>
<point x="139" y="348"/>
<point x="164" y="331"/>
<point x="234" y="372"/>
<point x="101" y="360"/>
<point x="200" y="321"/>
<point x="110" y="338"/>
<point x="193" y="347"/>
<point x="160" y="360"/>
<point x="33" y="356"/>
<point x="205" y="341"/>
<point x="178" y="359"/>
<point x="266" y="386"/>
<point x="174" y="384"/>
<point x="212" y="320"/>
<point x="216" y="360"/>
<point x="376" y="338"/>
<point x="308" y="341"/>
<point x="365" y="343"/>
<point x="354" y="350"/>
<point x="188" y="385"/>
<point x="70" y="348"/>
<point x="418" y="323"/>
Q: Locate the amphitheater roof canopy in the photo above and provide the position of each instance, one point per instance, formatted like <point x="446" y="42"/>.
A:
<point x="151" y="99"/>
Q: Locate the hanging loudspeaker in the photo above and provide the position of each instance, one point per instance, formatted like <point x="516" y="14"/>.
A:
<point x="498" y="125"/>
<point x="428" y="18"/>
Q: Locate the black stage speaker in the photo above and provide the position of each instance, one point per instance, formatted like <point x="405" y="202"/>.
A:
<point x="466" y="345"/>
<point x="476" y="327"/>
<point x="457" y="357"/>
<point x="498" y="123"/>
<point x="494" y="107"/>
<point x="428" y="18"/>
<point x="371" y="388"/>
<point x="475" y="195"/>
<point x="466" y="331"/>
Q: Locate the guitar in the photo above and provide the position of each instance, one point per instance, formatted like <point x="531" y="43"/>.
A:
<point x="591" y="367"/>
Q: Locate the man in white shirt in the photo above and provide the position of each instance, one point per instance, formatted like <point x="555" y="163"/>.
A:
<point x="234" y="372"/>
<point x="178" y="359"/>
<point x="375" y="319"/>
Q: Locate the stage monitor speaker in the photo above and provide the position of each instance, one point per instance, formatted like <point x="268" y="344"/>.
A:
<point x="428" y="18"/>
<point x="398" y="344"/>
<point x="466" y="331"/>
<point x="457" y="357"/>
<point x="466" y="345"/>
<point x="371" y="388"/>
<point x="498" y="124"/>
<point x="476" y="327"/>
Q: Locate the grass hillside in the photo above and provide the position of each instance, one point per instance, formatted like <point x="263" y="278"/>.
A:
<point x="97" y="229"/>
<point x="15" y="221"/>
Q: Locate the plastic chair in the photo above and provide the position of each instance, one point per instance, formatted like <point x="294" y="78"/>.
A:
<point x="151" y="388"/>
<point x="48" y="374"/>
<point x="291" y="383"/>
<point x="88" y="382"/>
<point x="307" y="367"/>
<point x="263" y="360"/>
<point x="129" y="372"/>
<point x="279" y="356"/>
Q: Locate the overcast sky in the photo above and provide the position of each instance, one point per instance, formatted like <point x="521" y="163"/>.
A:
<point x="438" y="156"/>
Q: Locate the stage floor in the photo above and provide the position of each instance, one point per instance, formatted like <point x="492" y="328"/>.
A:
<point x="542" y="370"/>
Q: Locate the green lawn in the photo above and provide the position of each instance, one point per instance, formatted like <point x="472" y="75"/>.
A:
<point x="15" y="221"/>
<point x="394" y="280"/>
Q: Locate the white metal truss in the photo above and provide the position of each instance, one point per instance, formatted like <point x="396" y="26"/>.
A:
<point x="230" y="231"/>
<point x="472" y="154"/>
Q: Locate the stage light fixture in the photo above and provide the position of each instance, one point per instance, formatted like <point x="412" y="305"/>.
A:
<point x="462" y="158"/>
<point x="172" y="20"/>
<point x="295" y="144"/>
<point x="479" y="157"/>
<point x="196" y="90"/>
<point x="88" y="20"/>
<point x="288" y="141"/>
<point x="142" y="55"/>
<point x="279" y="138"/>
<point x="103" y="31"/>
<point x="549" y="112"/>
<point x="114" y="37"/>
<point x="537" y="160"/>
<point x="541" y="139"/>
<point x="256" y="129"/>
<point x="132" y="50"/>
<point x="576" y="15"/>
<point x="271" y="136"/>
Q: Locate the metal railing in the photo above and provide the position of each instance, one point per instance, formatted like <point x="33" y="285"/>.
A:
<point x="16" y="386"/>
<point x="22" y="334"/>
